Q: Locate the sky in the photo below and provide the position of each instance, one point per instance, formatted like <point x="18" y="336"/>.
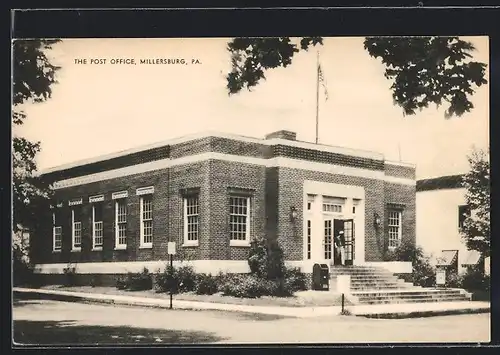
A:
<point x="98" y="109"/>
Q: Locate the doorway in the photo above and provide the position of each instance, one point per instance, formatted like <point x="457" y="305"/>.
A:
<point x="338" y="233"/>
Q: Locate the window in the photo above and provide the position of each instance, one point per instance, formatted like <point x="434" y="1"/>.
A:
<point x="308" y="239"/>
<point x="121" y="224"/>
<point x="355" y="203"/>
<point x="333" y="204"/>
<point x="239" y="219"/>
<point x="463" y="213"/>
<point x="56" y="233"/>
<point x="76" y="223"/>
<point x="394" y="228"/>
<point x="147" y="221"/>
<point x="191" y="219"/>
<point x="328" y="240"/>
<point x="97" y="226"/>
<point x="310" y="201"/>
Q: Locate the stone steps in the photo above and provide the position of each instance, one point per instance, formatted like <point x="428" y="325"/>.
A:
<point x="424" y="296"/>
<point x="374" y="285"/>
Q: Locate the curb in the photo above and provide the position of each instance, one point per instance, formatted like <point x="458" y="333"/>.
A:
<point x="88" y="299"/>
<point x="424" y="314"/>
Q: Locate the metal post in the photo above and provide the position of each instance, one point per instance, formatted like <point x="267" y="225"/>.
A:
<point x="342" y="303"/>
<point x="317" y="98"/>
<point x="171" y="278"/>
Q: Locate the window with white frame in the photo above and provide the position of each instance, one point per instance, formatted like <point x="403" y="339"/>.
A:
<point x="394" y="228"/>
<point x="191" y="219"/>
<point x="76" y="228"/>
<point x="121" y="223"/>
<point x="147" y="220"/>
<point x="308" y="250"/>
<point x="333" y="204"/>
<point x="310" y="202"/>
<point x="239" y="218"/>
<point x="97" y="226"/>
<point x="56" y="233"/>
<point x="355" y="204"/>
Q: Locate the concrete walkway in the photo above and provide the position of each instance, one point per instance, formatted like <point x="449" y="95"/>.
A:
<point x="376" y="311"/>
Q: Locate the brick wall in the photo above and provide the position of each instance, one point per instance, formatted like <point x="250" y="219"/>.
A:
<point x="291" y="194"/>
<point x="402" y="197"/>
<point x="273" y="192"/>
<point x="223" y="177"/>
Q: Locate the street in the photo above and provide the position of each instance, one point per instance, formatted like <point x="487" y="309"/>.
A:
<point x="52" y="322"/>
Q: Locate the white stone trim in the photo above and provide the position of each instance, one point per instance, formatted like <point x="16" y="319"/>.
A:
<point x="202" y="266"/>
<point x="274" y="162"/>
<point x="145" y="190"/>
<point x="76" y="201"/>
<point x="119" y="194"/>
<point x="399" y="180"/>
<point x="97" y="198"/>
<point x="200" y="135"/>
<point x="312" y="187"/>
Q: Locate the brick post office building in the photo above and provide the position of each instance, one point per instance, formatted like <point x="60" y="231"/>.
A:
<point x="213" y="193"/>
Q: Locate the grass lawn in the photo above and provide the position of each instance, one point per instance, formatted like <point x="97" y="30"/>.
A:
<point x="300" y="299"/>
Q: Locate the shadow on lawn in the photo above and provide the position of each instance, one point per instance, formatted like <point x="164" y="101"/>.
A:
<point x="58" y="333"/>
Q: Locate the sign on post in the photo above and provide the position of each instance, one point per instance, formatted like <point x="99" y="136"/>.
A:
<point x="440" y="277"/>
<point x="171" y="248"/>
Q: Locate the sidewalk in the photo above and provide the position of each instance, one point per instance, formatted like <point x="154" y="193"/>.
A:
<point x="373" y="311"/>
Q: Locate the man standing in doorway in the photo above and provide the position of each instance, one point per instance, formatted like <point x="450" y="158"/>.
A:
<point x="340" y="247"/>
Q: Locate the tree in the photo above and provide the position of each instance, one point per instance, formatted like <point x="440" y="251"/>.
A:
<point x="33" y="76"/>
<point x="423" y="70"/>
<point x="476" y="226"/>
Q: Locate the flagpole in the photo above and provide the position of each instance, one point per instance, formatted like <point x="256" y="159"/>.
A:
<point x="317" y="97"/>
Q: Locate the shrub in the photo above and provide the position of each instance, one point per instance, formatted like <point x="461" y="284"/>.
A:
<point x="296" y="279"/>
<point x="424" y="274"/>
<point x="136" y="281"/>
<point x="121" y="283"/>
<point x="185" y="278"/>
<point x="247" y="286"/>
<point x="251" y="286"/>
<point x="474" y="279"/>
<point x="69" y="273"/>
<point x="179" y="280"/>
<point x="206" y="284"/>
<point x="265" y="259"/>
<point x="22" y="270"/>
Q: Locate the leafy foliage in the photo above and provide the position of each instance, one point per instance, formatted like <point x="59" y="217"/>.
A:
<point x="251" y="286"/>
<point x="428" y="70"/>
<point x="423" y="70"/>
<point x="70" y="276"/>
<point x="206" y="284"/>
<point x="474" y="279"/>
<point x="423" y="273"/>
<point x="33" y="76"/>
<point x="476" y="227"/>
<point x="33" y="72"/>
<point x="251" y="57"/>
<point x="182" y="279"/>
<point x="140" y="281"/>
<point x="21" y="266"/>
<point x="265" y="259"/>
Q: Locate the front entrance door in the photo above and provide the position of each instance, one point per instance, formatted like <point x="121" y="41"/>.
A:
<point x="342" y="231"/>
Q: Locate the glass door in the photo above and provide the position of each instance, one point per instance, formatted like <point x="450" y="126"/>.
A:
<point x="349" y="241"/>
<point x="328" y="239"/>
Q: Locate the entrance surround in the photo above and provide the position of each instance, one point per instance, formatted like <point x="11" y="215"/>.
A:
<point x="313" y="191"/>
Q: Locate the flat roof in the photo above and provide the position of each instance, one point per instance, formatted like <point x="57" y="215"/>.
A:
<point x="440" y="183"/>
<point x="190" y="137"/>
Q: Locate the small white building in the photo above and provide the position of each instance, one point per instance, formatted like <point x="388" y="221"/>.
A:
<point x="440" y="211"/>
